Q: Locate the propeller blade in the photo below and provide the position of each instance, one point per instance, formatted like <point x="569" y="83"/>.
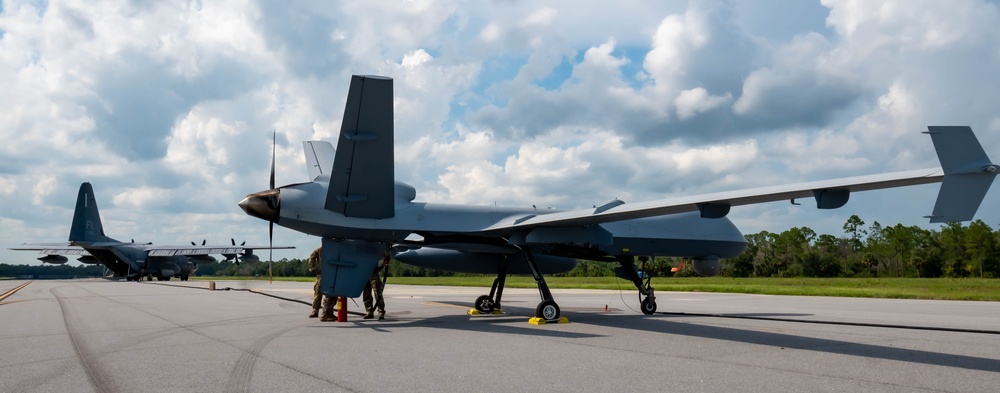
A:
<point x="270" y="224"/>
<point x="203" y="241"/>
<point x="233" y="241"/>
<point x="270" y="251"/>
<point x="273" y="147"/>
<point x="192" y="243"/>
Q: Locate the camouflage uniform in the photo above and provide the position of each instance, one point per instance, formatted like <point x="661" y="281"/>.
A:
<point x="374" y="286"/>
<point x="319" y="299"/>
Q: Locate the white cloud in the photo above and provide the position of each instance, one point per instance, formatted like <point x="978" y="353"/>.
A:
<point x="43" y="187"/>
<point x="142" y="198"/>
<point x="697" y="100"/>
<point x="416" y="58"/>
<point x="167" y="107"/>
<point x="542" y="17"/>
<point x="7" y="187"/>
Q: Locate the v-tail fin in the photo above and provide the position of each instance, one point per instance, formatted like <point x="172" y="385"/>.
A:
<point x="319" y="158"/>
<point x="86" y="225"/>
<point x="968" y="173"/>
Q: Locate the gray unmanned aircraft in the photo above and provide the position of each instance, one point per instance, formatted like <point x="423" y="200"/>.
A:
<point x="132" y="260"/>
<point x="363" y="214"/>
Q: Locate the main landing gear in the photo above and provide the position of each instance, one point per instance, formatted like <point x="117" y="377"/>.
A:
<point x="490" y="304"/>
<point x="546" y="311"/>
<point x="643" y="284"/>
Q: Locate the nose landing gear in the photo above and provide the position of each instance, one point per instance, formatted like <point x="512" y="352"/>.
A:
<point x="643" y="283"/>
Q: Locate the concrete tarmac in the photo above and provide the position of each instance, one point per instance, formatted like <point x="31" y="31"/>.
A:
<point x="106" y="336"/>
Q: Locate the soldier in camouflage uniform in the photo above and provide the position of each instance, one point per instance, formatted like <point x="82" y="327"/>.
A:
<point x="374" y="286"/>
<point x="319" y="299"/>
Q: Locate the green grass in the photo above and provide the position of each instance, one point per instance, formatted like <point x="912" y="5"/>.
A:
<point x="896" y="288"/>
<point x="264" y="278"/>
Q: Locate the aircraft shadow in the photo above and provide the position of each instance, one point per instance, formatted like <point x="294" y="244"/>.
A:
<point x="665" y="324"/>
<point x="485" y="324"/>
<point x="766" y="315"/>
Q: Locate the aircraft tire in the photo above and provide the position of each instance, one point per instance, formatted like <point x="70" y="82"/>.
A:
<point x="547" y="310"/>
<point x="484" y="304"/>
<point x="648" y="306"/>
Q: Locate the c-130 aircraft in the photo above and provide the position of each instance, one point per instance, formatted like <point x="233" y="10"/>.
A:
<point x="363" y="214"/>
<point x="131" y="260"/>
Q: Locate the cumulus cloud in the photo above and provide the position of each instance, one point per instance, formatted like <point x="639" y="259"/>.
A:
<point x="168" y="108"/>
<point x="697" y="100"/>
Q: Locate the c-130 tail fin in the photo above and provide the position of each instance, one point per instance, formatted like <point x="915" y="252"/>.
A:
<point x="86" y="225"/>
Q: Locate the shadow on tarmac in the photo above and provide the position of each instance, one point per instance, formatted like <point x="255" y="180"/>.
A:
<point x="672" y="325"/>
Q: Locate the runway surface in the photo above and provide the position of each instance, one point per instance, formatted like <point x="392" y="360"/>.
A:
<point x="106" y="336"/>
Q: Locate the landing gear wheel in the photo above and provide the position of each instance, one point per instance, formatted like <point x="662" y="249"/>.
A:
<point x="484" y="304"/>
<point x="547" y="310"/>
<point x="648" y="306"/>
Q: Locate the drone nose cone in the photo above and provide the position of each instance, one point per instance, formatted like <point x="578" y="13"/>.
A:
<point x="264" y="205"/>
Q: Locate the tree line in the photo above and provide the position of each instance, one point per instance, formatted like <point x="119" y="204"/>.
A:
<point x="50" y="271"/>
<point x="953" y="250"/>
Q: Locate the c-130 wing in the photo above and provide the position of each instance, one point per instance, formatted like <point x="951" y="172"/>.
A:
<point x="966" y="175"/>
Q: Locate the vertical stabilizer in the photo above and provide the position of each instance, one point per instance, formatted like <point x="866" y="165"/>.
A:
<point x="362" y="183"/>
<point x="86" y="219"/>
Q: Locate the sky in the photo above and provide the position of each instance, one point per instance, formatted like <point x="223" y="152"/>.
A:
<point x="167" y="107"/>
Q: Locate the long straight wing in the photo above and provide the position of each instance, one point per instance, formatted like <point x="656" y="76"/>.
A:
<point x="52" y="248"/>
<point x="967" y="175"/>
<point x="161" y="251"/>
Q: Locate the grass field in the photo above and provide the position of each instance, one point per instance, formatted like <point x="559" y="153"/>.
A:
<point x="898" y="288"/>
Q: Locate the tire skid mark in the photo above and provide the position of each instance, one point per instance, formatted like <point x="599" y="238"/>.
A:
<point x="240" y="376"/>
<point x="155" y="333"/>
<point x="242" y="373"/>
<point x="63" y="366"/>
<point x="97" y="375"/>
<point x="176" y="328"/>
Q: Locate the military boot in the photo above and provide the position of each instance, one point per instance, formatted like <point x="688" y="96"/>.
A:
<point x="314" y="313"/>
<point x="381" y="315"/>
<point x="369" y="314"/>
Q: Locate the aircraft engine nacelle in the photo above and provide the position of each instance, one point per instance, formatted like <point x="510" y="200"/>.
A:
<point x="249" y="258"/>
<point x="482" y="263"/>
<point x="201" y="258"/>
<point x="707" y="266"/>
<point x="88" y="259"/>
<point x="54" y="259"/>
